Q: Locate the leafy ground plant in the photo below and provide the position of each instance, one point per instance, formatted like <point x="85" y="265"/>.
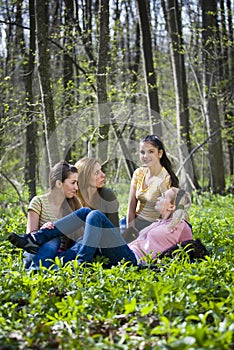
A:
<point x="177" y="305"/>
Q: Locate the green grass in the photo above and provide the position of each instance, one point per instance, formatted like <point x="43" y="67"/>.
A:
<point x="180" y="306"/>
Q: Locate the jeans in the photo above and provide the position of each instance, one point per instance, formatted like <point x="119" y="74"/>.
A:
<point x="48" y="251"/>
<point x="99" y="233"/>
<point x="64" y="226"/>
<point x="50" y="241"/>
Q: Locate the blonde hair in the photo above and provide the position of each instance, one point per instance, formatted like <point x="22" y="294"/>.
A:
<point x="182" y="201"/>
<point x="84" y="167"/>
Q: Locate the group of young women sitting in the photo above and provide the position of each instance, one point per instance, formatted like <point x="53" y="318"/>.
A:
<point x="78" y="218"/>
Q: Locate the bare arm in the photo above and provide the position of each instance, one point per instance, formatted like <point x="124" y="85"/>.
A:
<point x="132" y="203"/>
<point x="32" y="221"/>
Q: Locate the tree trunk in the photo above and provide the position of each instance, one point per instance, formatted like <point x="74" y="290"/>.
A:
<point x="102" y="71"/>
<point x="150" y="75"/>
<point x="209" y="36"/>
<point x="28" y="54"/>
<point x="229" y="90"/>
<point x="68" y="76"/>
<point x="174" y="27"/>
<point x="41" y="16"/>
<point x="130" y="165"/>
<point x="30" y="168"/>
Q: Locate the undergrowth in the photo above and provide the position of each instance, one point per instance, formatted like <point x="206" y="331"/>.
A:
<point x="178" y="305"/>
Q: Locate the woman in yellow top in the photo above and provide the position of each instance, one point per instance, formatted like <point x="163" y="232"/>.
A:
<point x="149" y="181"/>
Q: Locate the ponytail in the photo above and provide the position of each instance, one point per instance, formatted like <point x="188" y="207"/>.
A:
<point x="182" y="201"/>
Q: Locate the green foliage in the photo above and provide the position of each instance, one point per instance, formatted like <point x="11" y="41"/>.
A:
<point x="179" y="305"/>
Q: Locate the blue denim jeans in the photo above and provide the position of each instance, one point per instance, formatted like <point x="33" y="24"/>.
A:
<point x="99" y="233"/>
<point x="47" y="252"/>
<point x="50" y="241"/>
<point x="64" y="226"/>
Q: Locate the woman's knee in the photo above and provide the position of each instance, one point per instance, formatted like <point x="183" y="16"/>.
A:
<point x="83" y="212"/>
<point x="95" y="218"/>
<point x="95" y="214"/>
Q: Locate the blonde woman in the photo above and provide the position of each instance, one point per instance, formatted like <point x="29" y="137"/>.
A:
<point x="92" y="191"/>
<point x="170" y="229"/>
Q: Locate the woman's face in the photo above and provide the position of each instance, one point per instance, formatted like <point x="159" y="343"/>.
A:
<point x="149" y="155"/>
<point x="97" y="178"/>
<point x="164" y="203"/>
<point x="70" y="185"/>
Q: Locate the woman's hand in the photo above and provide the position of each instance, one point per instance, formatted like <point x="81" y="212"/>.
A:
<point x="49" y="225"/>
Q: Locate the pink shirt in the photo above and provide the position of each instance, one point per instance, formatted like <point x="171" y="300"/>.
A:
<point x="158" y="237"/>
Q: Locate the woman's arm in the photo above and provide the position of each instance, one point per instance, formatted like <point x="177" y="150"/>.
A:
<point x="32" y="221"/>
<point x="132" y="203"/>
<point x="110" y="205"/>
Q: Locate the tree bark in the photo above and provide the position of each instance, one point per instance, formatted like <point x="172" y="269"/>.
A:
<point x="209" y="36"/>
<point x="229" y="90"/>
<point x="174" y="27"/>
<point x="28" y="54"/>
<point x="68" y="75"/>
<point x="41" y="16"/>
<point x="31" y="156"/>
<point x="102" y="72"/>
<point x="150" y="75"/>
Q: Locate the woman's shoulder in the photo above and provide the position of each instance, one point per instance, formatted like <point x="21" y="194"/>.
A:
<point x="184" y="226"/>
<point x="107" y="193"/>
<point x="140" y="172"/>
<point x="38" y="201"/>
<point x="164" y="173"/>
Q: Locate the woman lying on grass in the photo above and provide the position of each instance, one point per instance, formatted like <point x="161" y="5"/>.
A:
<point x="101" y="234"/>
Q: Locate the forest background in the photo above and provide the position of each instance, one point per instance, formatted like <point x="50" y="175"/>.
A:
<point x="92" y="77"/>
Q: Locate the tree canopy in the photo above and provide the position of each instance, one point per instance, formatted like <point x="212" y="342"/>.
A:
<point x="93" y="77"/>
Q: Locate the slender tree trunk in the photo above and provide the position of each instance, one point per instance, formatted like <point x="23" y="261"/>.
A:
<point x="28" y="54"/>
<point x="150" y="75"/>
<point x="30" y="171"/>
<point x="229" y="107"/>
<point x="68" y="76"/>
<point x="174" y="26"/>
<point x="130" y="165"/>
<point x="102" y="71"/>
<point x="209" y="13"/>
<point x="41" y="16"/>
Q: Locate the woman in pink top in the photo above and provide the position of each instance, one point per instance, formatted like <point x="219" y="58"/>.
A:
<point x="100" y="233"/>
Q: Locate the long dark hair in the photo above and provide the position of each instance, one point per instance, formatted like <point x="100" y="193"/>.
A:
<point x="164" y="160"/>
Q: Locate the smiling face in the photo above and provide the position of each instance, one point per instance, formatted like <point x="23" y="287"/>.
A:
<point x="150" y="155"/>
<point x="70" y="185"/>
<point x="97" y="178"/>
<point x="165" y="203"/>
